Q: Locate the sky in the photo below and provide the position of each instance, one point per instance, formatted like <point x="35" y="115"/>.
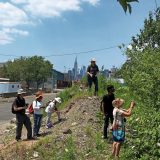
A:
<point x="52" y="28"/>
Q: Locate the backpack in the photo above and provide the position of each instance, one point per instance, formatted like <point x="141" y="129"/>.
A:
<point x="30" y="109"/>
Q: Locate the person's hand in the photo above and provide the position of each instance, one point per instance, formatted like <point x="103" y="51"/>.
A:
<point x="133" y="104"/>
<point x="91" y="75"/>
<point x="42" y="107"/>
<point x="25" y="107"/>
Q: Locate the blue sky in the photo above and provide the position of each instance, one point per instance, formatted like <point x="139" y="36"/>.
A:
<point x="49" y="27"/>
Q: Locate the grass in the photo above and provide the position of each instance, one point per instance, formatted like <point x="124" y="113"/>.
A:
<point x="141" y="139"/>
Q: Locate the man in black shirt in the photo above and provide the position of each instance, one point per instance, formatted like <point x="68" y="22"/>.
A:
<point x="19" y="106"/>
<point x="92" y="72"/>
<point x="107" y="108"/>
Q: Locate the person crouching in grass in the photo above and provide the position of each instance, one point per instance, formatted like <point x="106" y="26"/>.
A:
<point x="118" y="126"/>
<point x="52" y="107"/>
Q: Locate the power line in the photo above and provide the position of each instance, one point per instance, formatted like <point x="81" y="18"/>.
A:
<point x="82" y="52"/>
<point x="69" y="54"/>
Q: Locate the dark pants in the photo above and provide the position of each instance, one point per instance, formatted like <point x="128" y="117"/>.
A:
<point x="93" y="80"/>
<point x="37" y="123"/>
<point x="106" y="123"/>
<point x="23" y="119"/>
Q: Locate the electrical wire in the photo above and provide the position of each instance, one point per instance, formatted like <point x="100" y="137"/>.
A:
<point x="69" y="54"/>
<point x="82" y="52"/>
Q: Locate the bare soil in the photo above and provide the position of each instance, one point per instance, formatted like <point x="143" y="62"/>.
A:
<point x="78" y="119"/>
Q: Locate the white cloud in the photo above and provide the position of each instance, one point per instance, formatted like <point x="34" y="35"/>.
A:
<point x="51" y="8"/>
<point x="5" y="38"/>
<point x="19" y="1"/>
<point x="15" y="31"/>
<point x="12" y="16"/>
<point x="93" y="2"/>
<point x="15" y="13"/>
<point x="7" y="35"/>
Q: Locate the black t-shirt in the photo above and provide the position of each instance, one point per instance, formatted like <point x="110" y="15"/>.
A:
<point x="107" y="103"/>
<point x="20" y="103"/>
<point x="93" y="69"/>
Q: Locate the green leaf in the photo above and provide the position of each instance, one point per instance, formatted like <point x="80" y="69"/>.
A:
<point x="128" y="1"/>
<point x="129" y="8"/>
<point x="123" y="3"/>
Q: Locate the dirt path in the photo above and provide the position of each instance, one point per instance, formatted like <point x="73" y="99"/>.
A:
<point x="79" y="120"/>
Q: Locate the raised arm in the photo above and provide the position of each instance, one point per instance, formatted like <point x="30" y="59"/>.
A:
<point x="128" y="112"/>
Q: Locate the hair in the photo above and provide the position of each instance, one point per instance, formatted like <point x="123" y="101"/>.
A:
<point x="109" y="87"/>
<point x="115" y="104"/>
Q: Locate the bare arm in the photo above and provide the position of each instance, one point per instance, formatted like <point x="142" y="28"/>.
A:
<point x="89" y="74"/>
<point x="102" y="108"/>
<point x="128" y="112"/>
<point x="19" y="108"/>
<point x="88" y="71"/>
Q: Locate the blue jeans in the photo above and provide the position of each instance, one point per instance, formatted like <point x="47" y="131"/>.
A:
<point x="48" y="119"/>
<point x="37" y="123"/>
<point x="93" y="80"/>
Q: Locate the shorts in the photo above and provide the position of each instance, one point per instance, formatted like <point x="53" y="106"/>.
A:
<point x="118" y="135"/>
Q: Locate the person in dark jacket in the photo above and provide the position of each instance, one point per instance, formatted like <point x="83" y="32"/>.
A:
<point x="92" y="72"/>
<point x="19" y="106"/>
<point x="107" y="108"/>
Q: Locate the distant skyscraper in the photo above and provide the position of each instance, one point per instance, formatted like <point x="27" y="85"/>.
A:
<point x="82" y="71"/>
<point x="75" y="69"/>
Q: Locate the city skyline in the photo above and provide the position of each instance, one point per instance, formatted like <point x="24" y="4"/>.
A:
<point x="61" y="30"/>
<point x="77" y="72"/>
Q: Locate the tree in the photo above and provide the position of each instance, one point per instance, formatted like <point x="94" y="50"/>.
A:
<point x="40" y="69"/>
<point x="142" y="69"/>
<point x="32" y="69"/>
<point x="149" y="36"/>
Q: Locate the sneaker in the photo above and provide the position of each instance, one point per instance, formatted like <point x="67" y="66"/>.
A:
<point x="59" y="120"/>
<point x="105" y="137"/>
<point x="47" y="127"/>
<point x="32" y="138"/>
<point x="38" y="135"/>
<point x="19" y="140"/>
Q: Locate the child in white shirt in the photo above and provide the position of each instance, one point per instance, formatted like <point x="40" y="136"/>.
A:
<point x="50" y="109"/>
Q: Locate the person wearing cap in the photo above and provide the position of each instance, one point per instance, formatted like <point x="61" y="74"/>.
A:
<point x="118" y="127"/>
<point x="107" y="108"/>
<point x="52" y="107"/>
<point x="19" y="107"/>
<point x="38" y="113"/>
<point x="92" y="72"/>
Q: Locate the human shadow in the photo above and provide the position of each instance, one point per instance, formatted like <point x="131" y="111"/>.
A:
<point x="57" y="122"/>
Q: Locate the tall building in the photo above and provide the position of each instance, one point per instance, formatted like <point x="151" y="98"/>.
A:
<point x="75" y="70"/>
<point x="82" y="71"/>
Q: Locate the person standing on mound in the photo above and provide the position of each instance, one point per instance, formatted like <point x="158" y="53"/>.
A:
<point x="118" y="126"/>
<point x="18" y="107"/>
<point x="107" y="108"/>
<point x="38" y="113"/>
<point x="92" y="72"/>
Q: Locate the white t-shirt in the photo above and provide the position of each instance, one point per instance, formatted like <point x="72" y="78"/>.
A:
<point x="50" y="108"/>
<point x="117" y="115"/>
<point x="37" y="107"/>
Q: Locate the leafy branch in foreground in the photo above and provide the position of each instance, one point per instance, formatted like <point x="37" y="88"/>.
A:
<point x="126" y="5"/>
